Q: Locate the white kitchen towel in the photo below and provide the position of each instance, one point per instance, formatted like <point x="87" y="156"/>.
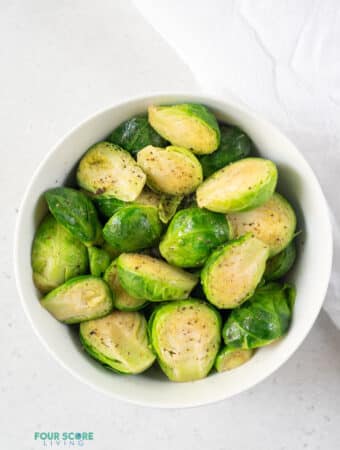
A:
<point x="282" y="59"/>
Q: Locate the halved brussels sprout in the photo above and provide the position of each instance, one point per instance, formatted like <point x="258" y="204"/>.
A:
<point x="81" y="298"/>
<point x="234" y="145"/>
<point x="186" y="336"/>
<point x="171" y="170"/>
<point x="168" y="206"/>
<point x="280" y="264"/>
<point x="122" y="300"/>
<point x="99" y="261"/>
<point x="232" y="272"/>
<point x="188" y="125"/>
<point x="56" y="255"/>
<point x="240" y="186"/>
<point x="133" y="228"/>
<point x="273" y="223"/>
<point x="228" y="359"/>
<point x="263" y="319"/>
<point x="149" y="278"/>
<point x="135" y="134"/>
<point x="108" y="169"/>
<point x="119" y="341"/>
<point x="75" y="211"/>
<point x="192" y="235"/>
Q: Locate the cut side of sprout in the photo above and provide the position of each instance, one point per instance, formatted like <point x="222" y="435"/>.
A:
<point x="119" y="341"/>
<point x="186" y="338"/>
<point x="233" y="271"/>
<point x="239" y="186"/>
<point x="108" y="169"/>
<point x="171" y="170"/>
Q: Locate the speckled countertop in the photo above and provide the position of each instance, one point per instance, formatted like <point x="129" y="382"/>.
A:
<point x="60" y="62"/>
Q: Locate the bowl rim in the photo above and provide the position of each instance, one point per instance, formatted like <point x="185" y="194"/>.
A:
<point x="227" y="100"/>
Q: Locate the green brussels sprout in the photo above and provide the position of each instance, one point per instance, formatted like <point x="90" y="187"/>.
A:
<point x="280" y="264"/>
<point x="240" y="186"/>
<point x="119" y="341"/>
<point x="234" y="145"/>
<point x="228" y="359"/>
<point x="56" y="255"/>
<point x="75" y="211"/>
<point x="133" y="228"/>
<point x="99" y="260"/>
<point x="108" y="205"/>
<point x="233" y="271"/>
<point x="192" y="235"/>
<point x="135" y="134"/>
<point x="149" y="278"/>
<point x="171" y="170"/>
<point x="261" y="320"/>
<point x="186" y="337"/>
<point x="273" y="223"/>
<point x="188" y="125"/>
<point x="108" y="169"/>
<point x="168" y="206"/>
<point x="82" y="298"/>
<point x="122" y="300"/>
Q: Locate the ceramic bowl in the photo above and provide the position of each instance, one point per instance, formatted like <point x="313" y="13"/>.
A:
<point x="310" y="275"/>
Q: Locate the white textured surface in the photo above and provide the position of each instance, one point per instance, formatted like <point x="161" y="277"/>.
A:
<point x="60" y="61"/>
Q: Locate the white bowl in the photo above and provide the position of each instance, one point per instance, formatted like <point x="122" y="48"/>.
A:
<point x="311" y="273"/>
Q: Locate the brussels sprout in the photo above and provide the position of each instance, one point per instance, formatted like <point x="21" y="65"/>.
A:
<point x="133" y="228"/>
<point x="168" y="206"/>
<point x="108" y="205"/>
<point x="75" y="211"/>
<point x="122" y="300"/>
<point x="186" y="336"/>
<point x="241" y="186"/>
<point x="188" y="125"/>
<point x="273" y="222"/>
<point x="56" y="255"/>
<point x="263" y="319"/>
<point x="149" y="278"/>
<point x="108" y="169"/>
<point x="171" y="170"/>
<point x="119" y="341"/>
<point x="135" y="134"/>
<point x="99" y="261"/>
<point x="228" y="359"/>
<point x="192" y="235"/>
<point x="234" y="145"/>
<point x="280" y="264"/>
<point x="81" y="298"/>
<point x="233" y="271"/>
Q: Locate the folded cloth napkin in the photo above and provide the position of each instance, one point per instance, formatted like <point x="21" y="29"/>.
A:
<point x="279" y="58"/>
